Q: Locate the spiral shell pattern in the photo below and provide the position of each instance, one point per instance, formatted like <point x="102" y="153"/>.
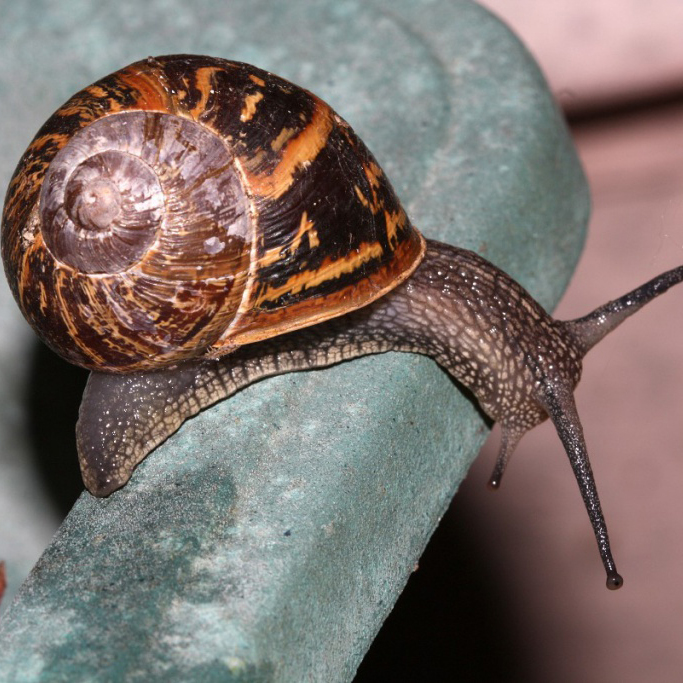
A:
<point x="185" y="205"/>
<point x="101" y="208"/>
<point x="134" y="179"/>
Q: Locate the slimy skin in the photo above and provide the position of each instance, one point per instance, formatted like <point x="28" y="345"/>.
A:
<point x="476" y="322"/>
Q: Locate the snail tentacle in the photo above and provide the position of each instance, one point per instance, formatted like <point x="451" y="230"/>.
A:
<point x="591" y="328"/>
<point x="509" y="438"/>
<point x="561" y="407"/>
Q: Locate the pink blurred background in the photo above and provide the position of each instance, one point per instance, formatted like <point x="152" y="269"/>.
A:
<point x="542" y="612"/>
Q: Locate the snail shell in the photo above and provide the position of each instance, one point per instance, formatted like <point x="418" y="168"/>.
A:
<point x="184" y="206"/>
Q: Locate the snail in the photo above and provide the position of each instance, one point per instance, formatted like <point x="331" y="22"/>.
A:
<point x="188" y="225"/>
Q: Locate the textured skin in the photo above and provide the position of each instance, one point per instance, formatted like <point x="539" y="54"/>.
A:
<point x="473" y="319"/>
<point x="469" y="316"/>
<point x="444" y="310"/>
<point x="282" y="220"/>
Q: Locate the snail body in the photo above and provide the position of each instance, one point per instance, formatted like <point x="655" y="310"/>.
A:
<point x="188" y="225"/>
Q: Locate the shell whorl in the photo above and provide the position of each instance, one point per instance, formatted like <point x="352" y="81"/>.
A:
<point x="134" y="181"/>
<point x="140" y="243"/>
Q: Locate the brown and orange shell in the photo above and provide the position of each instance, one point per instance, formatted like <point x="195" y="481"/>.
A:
<point x="185" y="205"/>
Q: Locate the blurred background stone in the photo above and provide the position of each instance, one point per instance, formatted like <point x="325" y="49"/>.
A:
<point x="602" y="54"/>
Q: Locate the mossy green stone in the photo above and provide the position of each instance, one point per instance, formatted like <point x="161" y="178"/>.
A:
<point x="269" y="538"/>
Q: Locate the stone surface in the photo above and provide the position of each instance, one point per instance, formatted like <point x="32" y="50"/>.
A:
<point x="272" y="534"/>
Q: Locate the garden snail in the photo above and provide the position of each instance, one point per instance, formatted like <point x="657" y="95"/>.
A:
<point x="189" y="225"/>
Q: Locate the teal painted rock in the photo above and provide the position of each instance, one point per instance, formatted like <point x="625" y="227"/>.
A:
<point x="269" y="538"/>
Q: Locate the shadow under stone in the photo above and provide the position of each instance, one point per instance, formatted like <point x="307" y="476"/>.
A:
<point x="452" y="621"/>
<point x="53" y="397"/>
